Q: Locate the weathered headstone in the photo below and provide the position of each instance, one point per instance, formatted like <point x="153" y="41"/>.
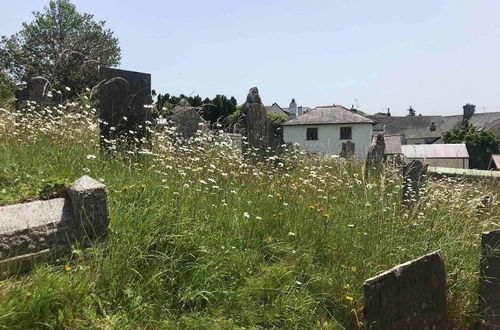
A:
<point x="409" y="296"/>
<point x="375" y="157"/>
<point x="414" y="177"/>
<point x="489" y="288"/>
<point x="123" y="112"/>
<point x="37" y="90"/>
<point x="255" y="119"/>
<point x="348" y="149"/>
<point x="186" y="119"/>
<point x="274" y="135"/>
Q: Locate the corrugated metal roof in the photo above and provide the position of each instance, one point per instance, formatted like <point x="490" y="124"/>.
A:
<point x="458" y="150"/>
<point x="335" y="114"/>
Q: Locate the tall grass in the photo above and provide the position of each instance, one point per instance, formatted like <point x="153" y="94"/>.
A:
<point x="200" y="238"/>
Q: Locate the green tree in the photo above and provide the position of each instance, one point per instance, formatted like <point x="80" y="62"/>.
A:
<point x="6" y="90"/>
<point x="62" y="45"/>
<point x="480" y="145"/>
<point x="214" y="110"/>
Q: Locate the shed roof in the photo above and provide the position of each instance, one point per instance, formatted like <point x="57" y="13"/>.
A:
<point x="332" y="114"/>
<point x="452" y="150"/>
<point x="495" y="159"/>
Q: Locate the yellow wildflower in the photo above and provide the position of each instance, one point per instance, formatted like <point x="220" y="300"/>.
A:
<point x="349" y="298"/>
<point x="67" y="268"/>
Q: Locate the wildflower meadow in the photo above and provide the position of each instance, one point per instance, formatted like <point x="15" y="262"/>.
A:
<point x="204" y="238"/>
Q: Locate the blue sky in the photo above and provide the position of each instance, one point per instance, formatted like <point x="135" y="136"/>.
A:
<point x="432" y="55"/>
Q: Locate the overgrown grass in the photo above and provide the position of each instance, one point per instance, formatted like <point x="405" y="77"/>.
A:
<point x="202" y="239"/>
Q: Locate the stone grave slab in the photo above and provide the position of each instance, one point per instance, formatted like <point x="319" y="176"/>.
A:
<point x="409" y="296"/>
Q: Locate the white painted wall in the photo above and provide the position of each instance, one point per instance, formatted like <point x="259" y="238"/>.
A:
<point x="329" y="141"/>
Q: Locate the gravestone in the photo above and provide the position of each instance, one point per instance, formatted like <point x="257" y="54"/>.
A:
<point x="186" y="119"/>
<point x="414" y="177"/>
<point x="274" y="135"/>
<point x="123" y="96"/>
<point x="489" y="288"/>
<point x="255" y="119"/>
<point x="348" y="149"/>
<point x="375" y="157"/>
<point x="36" y="90"/>
<point x="409" y="296"/>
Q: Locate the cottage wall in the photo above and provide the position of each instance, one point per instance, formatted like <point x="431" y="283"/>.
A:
<point x="329" y="141"/>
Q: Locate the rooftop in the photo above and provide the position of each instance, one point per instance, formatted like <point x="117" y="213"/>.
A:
<point x="331" y="114"/>
<point x="452" y="150"/>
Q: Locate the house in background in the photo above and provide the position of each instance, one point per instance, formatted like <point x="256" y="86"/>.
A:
<point x="330" y="130"/>
<point x="429" y="129"/>
<point x="438" y="155"/>
<point x="292" y="111"/>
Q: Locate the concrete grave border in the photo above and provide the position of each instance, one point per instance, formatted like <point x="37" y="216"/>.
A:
<point x="31" y="231"/>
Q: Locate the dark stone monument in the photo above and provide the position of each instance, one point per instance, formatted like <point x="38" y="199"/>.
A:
<point x="409" y="296"/>
<point x="274" y="135"/>
<point x="186" y="119"/>
<point x="348" y="149"/>
<point x="414" y="177"/>
<point x="37" y="90"/>
<point x="489" y="288"/>
<point x="124" y="117"/>
<point x="375" y="157"/>
<point x="255" y="119"/>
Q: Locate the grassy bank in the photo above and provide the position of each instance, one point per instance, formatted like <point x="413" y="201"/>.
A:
<point x="202" y="239"/>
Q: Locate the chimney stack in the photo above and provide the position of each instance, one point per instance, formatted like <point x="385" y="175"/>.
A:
<point x="388" y="112"/>
<point x="293" y="108"/>
<point x="469" y="110"/>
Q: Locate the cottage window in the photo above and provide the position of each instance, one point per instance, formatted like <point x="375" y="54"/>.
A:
<point x="346" y="133"/>
<point x="312" y="133"/>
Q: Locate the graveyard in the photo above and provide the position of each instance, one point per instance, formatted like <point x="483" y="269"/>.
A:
<point x="202" y="236"/>
<point x="207" y="205"/>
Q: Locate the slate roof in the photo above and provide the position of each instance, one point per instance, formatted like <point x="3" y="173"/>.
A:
<point x="411" y="127"/>
<point x="419" y="126"/>
<point x="332" y="114"/>
<point x="276" y="108"/>
<point x="452" y="150"/>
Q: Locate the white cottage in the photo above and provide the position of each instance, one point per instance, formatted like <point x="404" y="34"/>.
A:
<point x="330" y="130"/>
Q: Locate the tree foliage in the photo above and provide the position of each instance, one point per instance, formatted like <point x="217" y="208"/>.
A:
<point x="213" y="110"/>
<point x="480" y="145"/>
<point x="62" y="45"/>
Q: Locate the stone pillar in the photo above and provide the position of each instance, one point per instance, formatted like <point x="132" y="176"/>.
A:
<point x="90" y="207"/>
<point x="489" y="286"/>
<point x="255" y="119"/>
<point x="375" y="157"/>
<point x="409" y="296"/>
